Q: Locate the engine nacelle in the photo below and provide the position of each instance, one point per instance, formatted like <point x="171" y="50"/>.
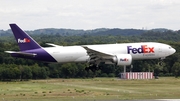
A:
<point x="123" y="59"/>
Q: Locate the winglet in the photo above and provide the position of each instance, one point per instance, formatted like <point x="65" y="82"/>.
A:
<point x="24" y="41"/>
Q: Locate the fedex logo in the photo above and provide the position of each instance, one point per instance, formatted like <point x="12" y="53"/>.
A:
<point x="25" y="40"/>
<point x="125" y="59"/>
<point x="142" y="49"/>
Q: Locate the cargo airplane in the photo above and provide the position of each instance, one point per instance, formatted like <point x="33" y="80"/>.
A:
<point x="118" y="54"/>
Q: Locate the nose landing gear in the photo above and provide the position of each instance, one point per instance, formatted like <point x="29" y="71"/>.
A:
<point x="161" y="62"/>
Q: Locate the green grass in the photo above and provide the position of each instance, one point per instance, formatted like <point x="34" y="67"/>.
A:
<point x="90" y="89"/>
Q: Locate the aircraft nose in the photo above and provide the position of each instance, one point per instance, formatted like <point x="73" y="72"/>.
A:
<point x="172" y="51"/>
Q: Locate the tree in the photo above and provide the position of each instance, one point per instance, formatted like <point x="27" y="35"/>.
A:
<point x="54" y="70"/>
<point x="68" y="70"/>
<point x="17" y="72"/>
<point x="176" y="69"/>
<point x="43" y="73"/>
<point x="26" y="73"/>
<point x="35" y="71"/>
<point x="157" y="69"/>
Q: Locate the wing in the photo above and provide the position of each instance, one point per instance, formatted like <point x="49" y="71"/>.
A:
<point x="21" y="53"/>
<point x="97" y="56"/>
<point x="53" y="45"/>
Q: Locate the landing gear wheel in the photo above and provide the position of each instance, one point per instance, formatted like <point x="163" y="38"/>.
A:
<point x="93" y="68"/>
<point x="161" y="62"/>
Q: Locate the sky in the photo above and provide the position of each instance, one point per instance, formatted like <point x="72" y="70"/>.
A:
<point x="90" y="14"/>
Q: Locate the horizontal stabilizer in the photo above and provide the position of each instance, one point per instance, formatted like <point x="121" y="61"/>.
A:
<point x="21" y="53"/>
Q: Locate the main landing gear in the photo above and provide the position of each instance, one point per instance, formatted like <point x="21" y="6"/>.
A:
<point x="93" y="68"/>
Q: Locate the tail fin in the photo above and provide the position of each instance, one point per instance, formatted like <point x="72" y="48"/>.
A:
<point x="24" y="41"/>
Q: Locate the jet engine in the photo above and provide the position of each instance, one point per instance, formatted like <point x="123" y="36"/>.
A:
<point x="122" y="59"/>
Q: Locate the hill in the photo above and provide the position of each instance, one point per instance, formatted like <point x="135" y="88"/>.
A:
<point x="71" y="32"/>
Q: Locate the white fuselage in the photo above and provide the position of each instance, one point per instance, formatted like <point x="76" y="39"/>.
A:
<point x="145" y="50"/>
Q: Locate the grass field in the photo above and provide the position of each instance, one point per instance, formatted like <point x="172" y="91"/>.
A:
<point x="90" y="89"/>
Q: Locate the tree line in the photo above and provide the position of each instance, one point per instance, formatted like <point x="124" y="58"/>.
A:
<point x="22" y="69"/>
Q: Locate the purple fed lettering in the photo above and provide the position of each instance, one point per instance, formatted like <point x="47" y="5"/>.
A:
<point x="134" y="50"/>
